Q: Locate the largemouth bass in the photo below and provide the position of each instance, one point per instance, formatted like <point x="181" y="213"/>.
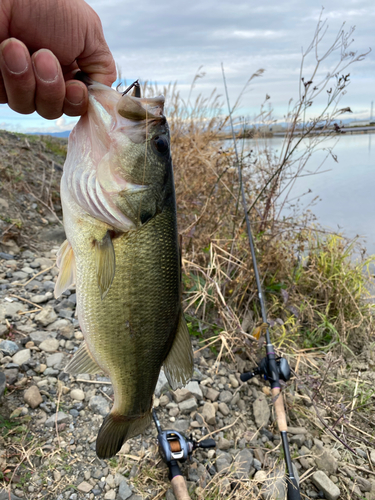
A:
<point x="122" y="252"/>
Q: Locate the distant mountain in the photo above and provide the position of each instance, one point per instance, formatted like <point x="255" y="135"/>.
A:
<point x="54" y="134"/>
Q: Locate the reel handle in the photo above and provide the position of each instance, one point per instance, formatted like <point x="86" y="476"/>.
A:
<point x="206" y="443"/>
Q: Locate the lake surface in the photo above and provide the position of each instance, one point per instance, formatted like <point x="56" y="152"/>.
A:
<point x="346" y="189"/>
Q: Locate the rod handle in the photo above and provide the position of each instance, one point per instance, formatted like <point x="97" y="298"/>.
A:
<point x="279" y="409"/>
<point x="246" y="376"/>
<point x="179" y="488"/>
<point x="293" y="489"/>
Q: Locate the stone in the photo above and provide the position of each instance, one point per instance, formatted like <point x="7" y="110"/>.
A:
<point x="162" y="383"/>
<point x="46" y="316"/>
<point x="273" y="484"/>
<point x="11" y="375"/>
<point x="84" y="487"/>
<point x="225" y="396"/>
<point x="60" y="325"/>
<point x="233" y="381"/>
<point x="223" y="408"/>
<point x="212" y="394"/>
<point x="39" y="336"/>
<point x="99" y="405"/>
<point x="10" y="309"/>
<point x="124" y="492"/>
<point x="324" y="459"/>
<point x="195" y="389"/>
<point x="56" y="475"/>
<point x="243" y="462"/>
<point x="3" y="384"/>
<point x="209" y="413"/>
<point x="62" y="418"/>
<point x="8" y="347"/>
<point x="297" y="430"/>
<point x="21" y="357"/>
<point x="322" y="482"/>
<point x="261" y="411"/>
<point x="297" y="439"/>
<point x="77" y="394"/>
<point x="4" y="495"/>
<point x="223" y="444"/>
<point x="55" y="360"/>
<point x="188" y="406"/>
<point x="49" y="345"/>
<point x="110" y="495"/>
<point x="40" y="299"/>
<point x="223" y="462"/>
<point x="181" y="395"/>
<point x="43" y="262"/>
<point x="180" y="425"/>
<point x="32" y="397"/>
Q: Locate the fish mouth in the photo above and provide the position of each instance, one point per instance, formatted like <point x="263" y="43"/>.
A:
<point x="130" y="103"/>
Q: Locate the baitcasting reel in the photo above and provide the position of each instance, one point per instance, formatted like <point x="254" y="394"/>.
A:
<point x="175" y="446"/>
<point x="263" y="369"/>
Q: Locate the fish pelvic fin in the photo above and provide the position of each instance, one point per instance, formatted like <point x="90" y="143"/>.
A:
<point x="67" y="264"/>
<point x="179" y="364"/>
<point x="82" y="362"/>
<point x="116" y="429"/>
<point x="105" y="262"/>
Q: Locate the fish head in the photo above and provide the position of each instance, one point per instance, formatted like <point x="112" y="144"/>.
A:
<point x="132" y="155"/>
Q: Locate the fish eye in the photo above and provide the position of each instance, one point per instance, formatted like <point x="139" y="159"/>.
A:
<point x="160" y="144"/>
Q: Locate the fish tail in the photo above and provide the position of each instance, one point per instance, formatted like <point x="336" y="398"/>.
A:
<point x="116" y="429"/>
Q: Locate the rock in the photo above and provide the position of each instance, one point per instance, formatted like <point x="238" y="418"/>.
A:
<point x="223" y="462"/>
<point x="99" y="405"/>
<point x="324" y="459"/>
<point x="110" y="495"/>
<point x="32" y="397"/>
<point x="233" y="381"/>
<point x="162" y="383"/>
<point x="225" y="396"/>
<point x="21" y="357"/>
<point x="62" y="418"/>
<point x="298" y="439"/>
<point x="77" y="394"/>
<point x="188" y="406"/>
<point x="297" y="430"/>
<point x="181" y="395"/>
<point x="273" y="484"/>
<point x="243" y="462"/>
<point x="56" y="475"/>
<point x="84" y="487"/>
<point x="223" y="444"/>
<point x="39" y="336"/>
<point x="4" y="495"/>
<point x="60" y="325"/>
<point x="180" y="425"/>
<point x="209" y="413"/>
<point x="261" y="411"/>
<point x="55" y="360"/>
<point x="46" y="316"/>
<point x="3" y="384"/>
<point x="43" y="262"/>
<point x="212" y="394"/>
<point x="223" y="408"/>
<point x="8" y="347"/>
<point x="124" y="492"/>
<point x="10" y="309"/>
<point x="195" y="389"/>
<point x="322" y="482"/>
<point x="40" y="299"/>
<point x="49" y="345"/>
<point x="11" y="375"/>
<point x="20" y="275"/>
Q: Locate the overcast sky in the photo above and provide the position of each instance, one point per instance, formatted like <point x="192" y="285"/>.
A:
<point x="169" y="40"/>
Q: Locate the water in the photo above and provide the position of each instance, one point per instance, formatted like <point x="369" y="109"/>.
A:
<point x="346" y="191"/>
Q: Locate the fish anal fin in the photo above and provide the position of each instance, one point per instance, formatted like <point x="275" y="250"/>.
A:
<point x="82" y="362"/>
<point x="179" y="364"/>
<point x="67" y="265"/>
<point x="105" y="261"/>
<point x="116" y="429"/>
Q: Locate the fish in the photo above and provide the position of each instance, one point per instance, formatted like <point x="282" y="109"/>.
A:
<point x="122" y="252"/>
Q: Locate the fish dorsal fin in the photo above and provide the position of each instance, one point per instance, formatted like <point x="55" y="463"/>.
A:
<point x="178" y="366"/>
<point x="105" y="262"/>
<point x="82" y="362"/>
<point x="67" y="264"/>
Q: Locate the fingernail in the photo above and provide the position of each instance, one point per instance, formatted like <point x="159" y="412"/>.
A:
<point x="14" y="56"/>
<point x="45" y="65"/>
<point x="74" y="93"/>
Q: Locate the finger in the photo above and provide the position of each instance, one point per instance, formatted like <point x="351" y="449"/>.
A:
<point x="76" y="98"/>
<point x="50" y="85"/>
<point x="18" y="75"/>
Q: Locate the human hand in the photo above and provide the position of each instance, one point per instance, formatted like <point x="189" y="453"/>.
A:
<point x="42" y="44"/>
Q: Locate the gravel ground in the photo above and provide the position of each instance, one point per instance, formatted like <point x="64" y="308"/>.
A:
<point x="50" y="419"/>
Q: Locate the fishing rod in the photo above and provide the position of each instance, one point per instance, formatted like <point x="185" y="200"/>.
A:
<point x="174" y="448"/>
<point x="272" y="368"/>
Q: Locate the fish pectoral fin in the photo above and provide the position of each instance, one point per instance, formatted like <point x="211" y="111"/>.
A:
<point x="67" y="265"/>
<point x="82" y="362"/>
<point x="178" y="366"/>
<point x="105" y="261"/>
<point x="116" y="429"/>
